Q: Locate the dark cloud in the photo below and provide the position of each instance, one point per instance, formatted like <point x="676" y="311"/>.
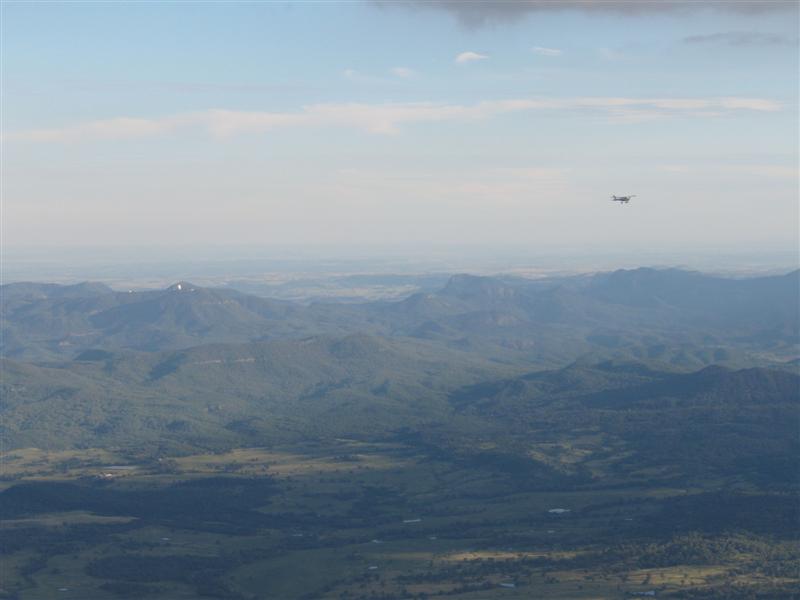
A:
<point x="742" y="38"/>
<point x="474" y="13"/>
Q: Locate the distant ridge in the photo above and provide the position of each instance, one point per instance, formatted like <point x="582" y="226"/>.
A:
<point x="31" y="291"/>
<point x="678" y="317"/>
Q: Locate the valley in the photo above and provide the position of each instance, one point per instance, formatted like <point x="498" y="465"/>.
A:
<point x="366" y="520"/>
<point x="606" y="436"/>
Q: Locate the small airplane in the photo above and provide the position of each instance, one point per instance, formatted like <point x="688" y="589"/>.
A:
<point x="622" y="199"/>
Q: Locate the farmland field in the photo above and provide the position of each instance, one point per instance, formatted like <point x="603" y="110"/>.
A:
<point x="361" y="520"/>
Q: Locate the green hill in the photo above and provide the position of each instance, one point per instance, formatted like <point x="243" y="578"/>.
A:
<point x="240" y="394"/>
<point x="679" y="317"/>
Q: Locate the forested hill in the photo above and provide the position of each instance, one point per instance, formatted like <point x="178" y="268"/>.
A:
<point x="679" y="317"/>
<point x="224" y="396"/>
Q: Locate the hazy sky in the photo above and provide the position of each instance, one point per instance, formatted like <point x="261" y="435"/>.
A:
<point x="404" y="122"/>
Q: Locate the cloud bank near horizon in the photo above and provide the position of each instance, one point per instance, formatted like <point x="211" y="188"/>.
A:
<point x="386" y="118"/>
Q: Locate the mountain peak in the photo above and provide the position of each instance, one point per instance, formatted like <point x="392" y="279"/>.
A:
<point x="182" y="286"/>
<point x="474" y="286"/>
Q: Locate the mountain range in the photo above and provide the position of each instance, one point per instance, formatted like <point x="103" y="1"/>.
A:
<point x="195" y="434"/>
<point x="679" y="317"/>
<point x="501" y="359"/>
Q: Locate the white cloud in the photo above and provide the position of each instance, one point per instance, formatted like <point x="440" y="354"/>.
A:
<point x="749" y="104"/>
<point x="546" y="51"/>
<point x="364" y="79"/>
<point x="467" y="57"/>
<point x="403" y="72"/>
<point x="388" y="118"/>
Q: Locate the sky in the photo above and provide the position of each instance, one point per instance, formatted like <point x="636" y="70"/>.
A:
<point x="400" y="123"/>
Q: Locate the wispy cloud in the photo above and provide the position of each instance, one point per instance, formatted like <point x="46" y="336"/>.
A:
<point x="546" y="51"/>
<point x="771" y="171"/>
<point x="388" y="118"/>
<point x="468" y="57"/>
<point x="742" y="38"/>
<point x="403" y="72"/>
<point x="358" y="77"/>
<point x="764" y="171"/>
<point x="183" y="87"/>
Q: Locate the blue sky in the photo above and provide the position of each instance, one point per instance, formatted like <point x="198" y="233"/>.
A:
<point x="348" y="123"/>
